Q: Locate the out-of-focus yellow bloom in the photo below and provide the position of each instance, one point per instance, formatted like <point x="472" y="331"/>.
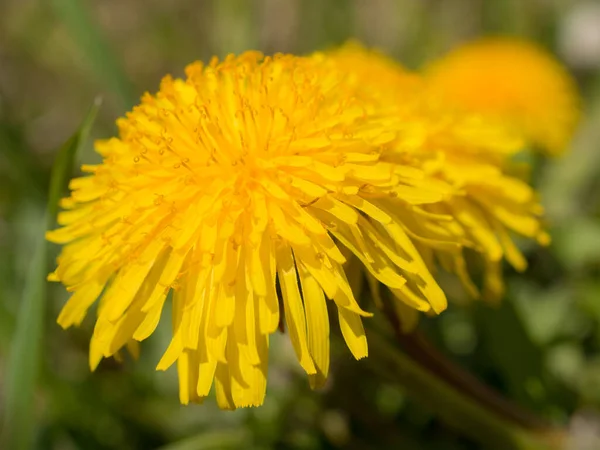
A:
<point x="465" y="151"/>
<point x="243" y="180"/>
<point x="513" y="81"/>
<point x="361" y="64"/>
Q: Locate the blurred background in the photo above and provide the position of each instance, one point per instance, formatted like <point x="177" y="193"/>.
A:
<point x="540" y="348"/>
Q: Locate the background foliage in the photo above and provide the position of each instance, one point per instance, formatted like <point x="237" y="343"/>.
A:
<point x="540" y="348"/>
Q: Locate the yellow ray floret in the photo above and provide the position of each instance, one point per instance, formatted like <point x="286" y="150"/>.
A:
<point x="514" y="81"/>
<point x="235" y="190"/>
<point x="465" y="151"/>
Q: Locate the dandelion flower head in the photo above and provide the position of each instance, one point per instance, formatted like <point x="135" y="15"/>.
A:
<point x="461" y="149"/>
<point x="514" y="81"/>
<point x="236" y="189"/>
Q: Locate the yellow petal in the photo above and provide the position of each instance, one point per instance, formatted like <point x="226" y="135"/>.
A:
<point x="294" y="310"/>
<point x="317" y="322"/>
<point x="223" y="387"/>
<point x="353" y="332"/>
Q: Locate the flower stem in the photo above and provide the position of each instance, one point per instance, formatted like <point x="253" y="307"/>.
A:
<point x="456" y="409"/>
<point x="421" y="350"/>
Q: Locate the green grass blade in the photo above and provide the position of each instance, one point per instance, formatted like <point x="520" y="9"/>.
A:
<point x="26" y="348"/>
<point x="63" y="166"/>
<point x="213" y="440"/>
<point x="103" y="62"/>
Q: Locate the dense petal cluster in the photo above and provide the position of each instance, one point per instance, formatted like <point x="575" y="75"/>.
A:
<point x="235" y="190"/>
<point x="463" y="150"/>
<point x="514" y="81"/>
<point x="248" y="194"/>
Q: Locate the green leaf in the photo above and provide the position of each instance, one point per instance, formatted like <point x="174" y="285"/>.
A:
<point x="26" y="348"/>
<point x="457" y="410"/>
<point x="515" y="357"/>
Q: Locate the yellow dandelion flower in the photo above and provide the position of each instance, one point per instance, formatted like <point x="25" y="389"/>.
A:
<point x="464" y="151"/>
<point x="236" y="190"/>
<point x="514" y="81"/>
<point x="488" y="204"/>
<point x="362" y="63"/>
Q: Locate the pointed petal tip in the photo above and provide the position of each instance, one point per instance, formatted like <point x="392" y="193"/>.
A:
<point x="53" y="276"/>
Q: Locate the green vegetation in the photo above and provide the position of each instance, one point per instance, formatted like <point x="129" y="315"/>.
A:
<point x="539" y="349"/>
